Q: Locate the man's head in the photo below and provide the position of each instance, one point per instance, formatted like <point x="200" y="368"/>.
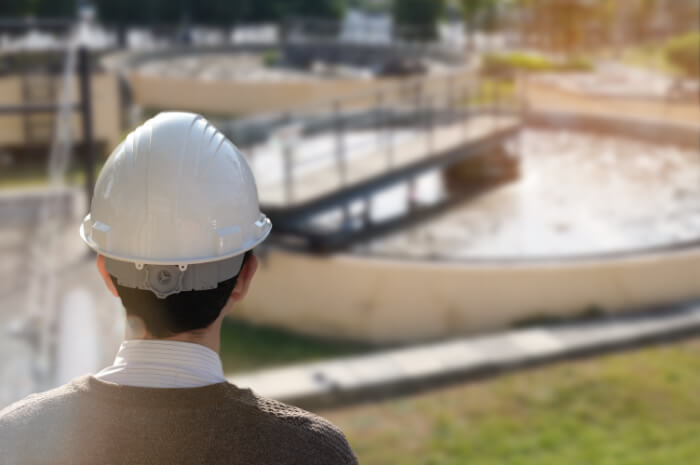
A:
<point x="185" y="312"/>
<point x="174" y="218"/>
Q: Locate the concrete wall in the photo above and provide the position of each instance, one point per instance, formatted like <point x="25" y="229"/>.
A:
<point x="545" y="97"/>
<point x="385" y="300"/>
<point x="106" y="110"/>
<point x="255" y="97"/>
<point x="656" y="131"/>
<point x="11" y="126"/>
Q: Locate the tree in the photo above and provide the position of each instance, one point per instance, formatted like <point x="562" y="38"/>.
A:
<point x="562" y="25"/>
<point x="481" y="12"/>
<point x="417" y="19"/>
<point x="40" y="8"/>
<point x="173" y="11"/>
<point x="478" y="13"/>
<point x="684" y="53"/>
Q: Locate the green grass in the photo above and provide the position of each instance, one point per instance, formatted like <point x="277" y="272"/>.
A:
<point x="248" y="347"/>
<point x="639" y="407"/>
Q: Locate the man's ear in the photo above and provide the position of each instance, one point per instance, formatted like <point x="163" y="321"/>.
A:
<point x="244" y="278"/>
<point x="105" y="276"/>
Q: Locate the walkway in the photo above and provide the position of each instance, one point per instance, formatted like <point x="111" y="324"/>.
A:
<point x="391" y="372"/>
<point x="370" y="157"/>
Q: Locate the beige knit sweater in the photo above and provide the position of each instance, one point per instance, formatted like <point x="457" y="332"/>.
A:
<point x="89" y="421"/>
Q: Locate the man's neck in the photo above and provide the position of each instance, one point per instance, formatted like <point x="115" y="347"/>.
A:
<point x="209" y="337"/>
<point x="206" y="339"/>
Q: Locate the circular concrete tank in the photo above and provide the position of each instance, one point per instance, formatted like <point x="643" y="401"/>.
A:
<point x="594" y="224"/>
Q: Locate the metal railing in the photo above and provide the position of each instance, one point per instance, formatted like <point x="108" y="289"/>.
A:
<point x="83" y="106"/>
<point x="376" y="123"/>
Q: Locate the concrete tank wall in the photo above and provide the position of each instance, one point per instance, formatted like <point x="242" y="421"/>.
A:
<point x="106" y="110"/>
<point x="385" y="300"/>
<point x="254" y="97"/>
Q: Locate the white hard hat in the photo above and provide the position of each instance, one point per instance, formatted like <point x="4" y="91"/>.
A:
<point x="176" y="191"/>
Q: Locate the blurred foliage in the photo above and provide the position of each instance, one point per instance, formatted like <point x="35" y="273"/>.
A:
<point x="562" y="25"/>
<point x="492" y="90"/>
<point x="566" y="25"/>
<point x="651" y="56"/>
<point x="624" y="409"/>
<point x="42" y="8"/>
<point x="417" y="19"/>
<point x="507" y="63"/>
<point x="684" y="53"/>
<point x="371" y="6"/>
<point x="245" y="346"/>
<point x="215" y="11"/>
<point x="271" y="57"/>
<point x="173" y="11"/>
<point x="575" y="63"/>
<point x="502" y="63"/>
<point x="480" y="12"/>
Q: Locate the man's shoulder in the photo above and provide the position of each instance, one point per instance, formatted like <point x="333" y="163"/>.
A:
<point x="37" y="415"/>
<point x="39" y="403"/>
<point x="292" y="422"/>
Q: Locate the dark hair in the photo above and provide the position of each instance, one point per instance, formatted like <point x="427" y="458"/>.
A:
<point x="177" y="313"/>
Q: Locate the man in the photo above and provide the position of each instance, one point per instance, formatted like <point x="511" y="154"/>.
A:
<point x="174" y="220"/>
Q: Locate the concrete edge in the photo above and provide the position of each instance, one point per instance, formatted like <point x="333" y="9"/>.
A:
<point x="411" y="370"/>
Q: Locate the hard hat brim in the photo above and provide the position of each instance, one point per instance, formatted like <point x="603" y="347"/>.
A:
<point x="264" y="232"/>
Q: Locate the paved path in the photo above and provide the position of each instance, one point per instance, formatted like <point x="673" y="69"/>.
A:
<point x="391" y="372"/>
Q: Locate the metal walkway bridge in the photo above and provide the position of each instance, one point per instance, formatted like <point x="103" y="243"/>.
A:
<point x="324" y="158"/>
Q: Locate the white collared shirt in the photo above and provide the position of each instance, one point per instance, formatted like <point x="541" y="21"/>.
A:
<point x="163" y="364"/>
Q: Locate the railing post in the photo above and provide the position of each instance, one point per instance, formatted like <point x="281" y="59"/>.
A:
<point x="418" y="103"/>
<point x="288" y="160"/>
<point x="410" y="194"/>
<point x="378" y="120"/>
<point x="429" y="126"/>
<point x="417" y="98"/>
<point x="493" y="99"/>
<point x="389" y="139"/>
<point x="340" y="155"/>
<point x="367" y="212"/>
<point x="465" y="110"/>
<point x="339" y="143"/>
<point x="450" y="99"/>
<point x="496" y="100"/>
<point x="86" y="113"/>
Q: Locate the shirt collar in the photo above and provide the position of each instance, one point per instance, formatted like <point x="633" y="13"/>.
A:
<point x="164" y="364"/>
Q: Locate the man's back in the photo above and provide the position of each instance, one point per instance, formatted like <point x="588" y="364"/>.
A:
<point x="91" y="421"/>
